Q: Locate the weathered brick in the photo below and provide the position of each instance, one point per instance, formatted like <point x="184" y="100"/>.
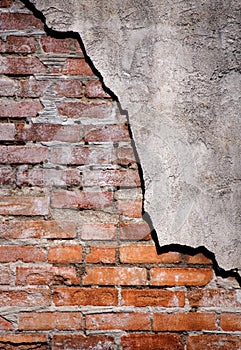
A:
<point x="5" y="325"/>
<point x="6" y="3"/>
<point x="198" y="259"/>
<point x="69" y="88"/>
<point x="24" y="206"/>
<point x="47" y="177"/>
<point x="134" y="321"/>
<point x="76" y="66"/>
<point x="180" y="276"/>
<point x="61" y="321"/>
<point x="94" y="89"/>
<point x="192" y="321"/>
<point x="130" y="208"/>
<point x="23" y="253"/>
<point x="125" y="155"/>
<point x="230" y="322"/>
<point x="65" y="254"/>
<point x="21" y="65"/>
<point x="5" y="275"/>
<point x="20" y="44"/>
<point x="220" y="298"/>
<point x="134" y="231"/>
<point x="7" y="177"/>
<point x="47" y="275"/>
<point x="122" y="178"/>
<point x="38" y="229"/>
<point x="50" y="44"/>
<point x="49" y="132"/>
<point x="26" y="297"/>
<point x="105" y="255"/>
<point x="19" y="21"/>
<point x="23" y="341"/>
<point x="99" y="231"/>
<point x="146" y="254"/>
<point x="9" y="86"/>
<point x="106" y="133"/>
<point x="23" y="154"/>
<point x="77" y="296"/>
<point x="19" y="109"/>
<point x="79" y="109"/>
<point x="152" y="342"/>
<point x="115" y="276"/>
<point x="81" y="200"/>
<point x="30" y="87"/>
<point x="152" y="297"/>
<point x="213" y="342"/>
<point x="82" y="342"/>
<point x="7" y="132"/>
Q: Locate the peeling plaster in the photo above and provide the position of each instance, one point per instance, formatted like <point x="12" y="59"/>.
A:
<point x="175" y="67"/>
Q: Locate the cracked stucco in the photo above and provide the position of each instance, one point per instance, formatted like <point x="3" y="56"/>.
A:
<point x="174" y="65"/>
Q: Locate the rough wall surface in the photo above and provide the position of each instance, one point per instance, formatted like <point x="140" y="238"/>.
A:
<point x="175" y="67"/>
<point x="78" y="270"/>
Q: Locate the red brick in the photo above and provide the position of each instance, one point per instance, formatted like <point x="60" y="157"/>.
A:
<point x="65" y="254"/>
<point x="213" y="342"/>
<point x="115" y="276"/>
<point x="61" y="321"/>
<point x="19" y="109"/>
<point x="80" y="155"/>
<point x="77" y="110"/>
<point x="94" y="89"/>
<point x="6" y="3"/>
<point x="130" y="208"/>
<point x="49" y="132"/>
<point x="192" y="321"/>
<point x="82" y="342"/>
<point x="23" y="341"/>
<point x="122" y="178"/>
<point x="23" y="154"/>
<point x="7" y="177"/>
<point x="50" y="44"/>
<point x="152" y="342"/>
<point x="5" y="275"/>
<point x="47" y="177"/>
<point x="146" y="254"/>
<point x="30" y="87"/>
<point x="81" y="200"/>
<point x="21" y="65"/>
<point x="5" y="325"/>
<point x="152" y="297"/>
<point x="20" y="44"/>
<point x="26" y="297"/>
<point x="9" y="86"/>
<point x="134" y="231"/>
<point x="77" y="296"/>
<point x="198" y="259"/>
<point x="106" y="133"/>
<point x="231" y="322"/>
<point x="38" y="229"/>
<point x="69" y="88"/>
<point x="24" y="206"/>
<point x="23" y="253"/>
<point x="19" y="21"/>
<point x="125" y="155"/>
<point x="47" y="275"/>
<point x="105" y="255"/>
<point x="99" y="231"/>
<point x="76" y="66"/>
<point x="180" y="276"/>
<point x="129" y="321"/>
<point x="7" y="132"/>
<point x="221" y="298"/>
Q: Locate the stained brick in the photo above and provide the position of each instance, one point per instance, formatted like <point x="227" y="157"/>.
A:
<point x="125" y="155"/>
<point x="23" y="154"/>
<point x="5" y="325"/>
<point x="5" y="275"/>
<point x="134" y="231"/>
<point x="19" y="21"/>
<point x="82" y="342"/>
<point x="78" y="296"/>
<point x="106" y="133"/>
<point x="65" y="254"/>
<point x="198" y="259"/>
<point x="103" y="254"/>
<point x="94" y="89"/>
<point x="21" y="65"/>
<point x="24" y="206"/>
<point x="7" y="132"/>
<point x="20" y="44"/>
<point x="50" y="44"/>
<point x="26" y="297"/>
<point x="69" y="88"/>
<point x="23" y="341"/>
<point x="30" y="87"/>
<point x="231" y="322"/>
<point x="152" y="342"/>
<point x="99" y="231"/>
<point x="130" y="208"/>
<point x="23" y="253"/>
<point x="19" y="109"/>
<point x="9" y="86"/>
<point x="221" y="298"/>
<point x="77" y="66"/>
<point x="7" y="177"/>
<point x="76" y="110"/>
<point x="6" y="3"/>
<point x="122" y="178"/>
<point x="213" y="342"/>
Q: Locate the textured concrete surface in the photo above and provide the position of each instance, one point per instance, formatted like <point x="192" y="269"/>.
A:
<point x="175" y="67"/>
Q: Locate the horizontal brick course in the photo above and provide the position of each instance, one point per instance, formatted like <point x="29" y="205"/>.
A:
<point x="23" y="154"/>
<point x="28" y="206"/>
<point x="22" y="253"/>
<point x="25" y="297"/>
<point x="152" y="342"/>
<point x="82" y="342"/>
<point x="65" y="254"/>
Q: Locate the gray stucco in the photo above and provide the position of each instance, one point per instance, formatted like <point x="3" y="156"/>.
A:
<point x="174" y="66"/>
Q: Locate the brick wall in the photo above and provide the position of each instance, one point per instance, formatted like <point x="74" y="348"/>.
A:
<point x="78" y="267"/>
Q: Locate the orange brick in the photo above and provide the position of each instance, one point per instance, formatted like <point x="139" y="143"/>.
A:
<point x="77" y="296"/>
<point x="192" y="321"/>
<point x="65" y="254"/>
<point x="231" y="322"/>
<point x="198" y="259"/>
<point x="213" y="342"/>
<point x="23" y="341"/>
<point x="115" y="276"/>
<point x="105" y="255"/>
<point x="146" y="254"/>
<point x="82" y="342"/>
<point x="23" y="253"/>
<point x="5" y="325"/>
<point x="180" y="276"/>
<point x="61" y="321"/>
<point x="152" y="342"/>
<point x="130" y="208"/>
<point x="124" y="321"/>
